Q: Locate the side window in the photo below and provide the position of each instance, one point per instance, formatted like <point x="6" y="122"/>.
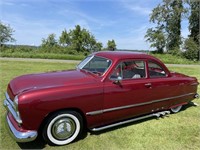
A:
<point x="130" y="69"/>
<point x="155" y="70"/>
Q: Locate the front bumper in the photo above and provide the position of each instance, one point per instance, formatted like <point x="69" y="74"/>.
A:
<point x="19" y="134"/>
<point x="13" y="124"/>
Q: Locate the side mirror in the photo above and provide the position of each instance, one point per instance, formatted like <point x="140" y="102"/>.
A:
<point x="118" y="80"/>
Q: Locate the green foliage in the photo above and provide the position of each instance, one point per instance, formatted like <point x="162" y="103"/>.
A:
<point x="111" y="45"/>
<point x="194" y="25"/>
<point x="42" y="52"/>
<point x="157" y="38"/>
<point x="6" y="34"/>
<point x="98" y="46"/>
<point x="50" y="41"/>
<point x="173" y="59"/>
<point x="79" y="39"/>
<point x="191" y="49"/>
<point x="167" y="17"/>
<point x="173" y="25"/>
<point x="43" y="55"/>
<point x="64" y="39"/>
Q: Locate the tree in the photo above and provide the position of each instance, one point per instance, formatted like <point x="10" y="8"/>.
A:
<point x="191" y="49"/>
<point x="157" y="38"/>
<point x="167" y="16"/>
<point x="82" y="39"/>
<point x="98" y="46"/>
<point x="173" y="25"/>
<point x="50" y="41"/>
<point x="88" y="40"/>
<point x="111" y="45"/>
<point x="77" y="41"/>
<point x="6" y="34"/>
<point x="194" y="20"/>
<point x="64" y="39"/>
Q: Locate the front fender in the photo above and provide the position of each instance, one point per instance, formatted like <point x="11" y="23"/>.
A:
<point x="35" y="105"/>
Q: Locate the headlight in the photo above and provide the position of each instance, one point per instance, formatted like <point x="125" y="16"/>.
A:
<point x="16" y="103"/>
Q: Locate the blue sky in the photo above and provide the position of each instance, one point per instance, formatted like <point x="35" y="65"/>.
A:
<point x="125" y="21"/>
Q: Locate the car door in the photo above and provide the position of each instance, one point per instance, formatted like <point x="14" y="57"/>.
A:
<point x="126" y="91"/>
<point x="166" y="90"/>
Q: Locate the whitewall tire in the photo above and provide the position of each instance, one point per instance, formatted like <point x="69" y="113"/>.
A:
<point x="63" y="128"/>
<point x="176" y="109"/>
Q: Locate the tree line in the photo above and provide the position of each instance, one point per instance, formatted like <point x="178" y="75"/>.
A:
<point x="72" y="41"/>
<point x="165" y="36"/>
<point x="78" y="39"/>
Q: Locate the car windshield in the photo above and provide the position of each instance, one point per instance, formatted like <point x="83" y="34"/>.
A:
<point x="95" y="64"/>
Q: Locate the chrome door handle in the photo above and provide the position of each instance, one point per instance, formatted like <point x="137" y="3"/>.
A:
<point x="148" y="85"/>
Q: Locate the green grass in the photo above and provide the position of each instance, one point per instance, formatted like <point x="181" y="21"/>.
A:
<point x="166" y="58"/>
<point x="41" y="55"/>
<point x="177" y="132"/>
<point x="172" y="59"/>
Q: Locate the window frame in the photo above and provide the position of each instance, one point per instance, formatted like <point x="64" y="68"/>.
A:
<point x="126" y="60"/>
<point x="111" y="62"/>
<point x="163" y="68"/>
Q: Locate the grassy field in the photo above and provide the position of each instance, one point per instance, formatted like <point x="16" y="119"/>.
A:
<point x="176" y="132"/>
<point x="42" y="55"/>
<point x="166" y="58"/>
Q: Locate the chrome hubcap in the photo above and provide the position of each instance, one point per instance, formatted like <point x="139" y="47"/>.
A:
<point x="176" y="109"/>
<point x="63" y="128"/>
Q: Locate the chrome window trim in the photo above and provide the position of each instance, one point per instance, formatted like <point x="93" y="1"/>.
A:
<point x="85" y="63"/>
<point x="145" y="68"/>
<point x="166" y="74"/>
<point x="99" y="57"/>
<point x="135" y="105"/>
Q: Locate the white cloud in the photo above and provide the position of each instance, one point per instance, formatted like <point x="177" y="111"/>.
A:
<point x="31" y="31"/>
<point x="133" y="39"/>
<point x="136" y="7"/>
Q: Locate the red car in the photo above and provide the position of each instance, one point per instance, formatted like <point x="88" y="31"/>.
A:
<point x="105" y="90"/>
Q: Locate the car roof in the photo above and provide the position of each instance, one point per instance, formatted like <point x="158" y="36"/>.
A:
<point x="117" y="55"/>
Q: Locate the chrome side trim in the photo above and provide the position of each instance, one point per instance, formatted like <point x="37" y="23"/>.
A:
<point x="9" y="105"/>
<point x="20" y="136"/>
<point x="158" y="114"/>
<point x="135" y="105"/>
<point x="194" y="84"/>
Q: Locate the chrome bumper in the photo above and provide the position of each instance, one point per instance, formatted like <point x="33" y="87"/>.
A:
<point x="196" y="95"/>
<point x="8" y="104"/>
<point x="20" y="136"/>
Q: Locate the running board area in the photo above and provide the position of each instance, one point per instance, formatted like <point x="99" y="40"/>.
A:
<point x="158" y="114"/>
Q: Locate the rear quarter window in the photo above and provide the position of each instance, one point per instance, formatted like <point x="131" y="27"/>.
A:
<point x="155" y="70"/>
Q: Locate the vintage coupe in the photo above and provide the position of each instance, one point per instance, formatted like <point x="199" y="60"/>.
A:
<point x="106" y="89"/>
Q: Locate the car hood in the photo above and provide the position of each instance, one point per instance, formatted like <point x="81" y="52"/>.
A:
<point x="48" y="80"/>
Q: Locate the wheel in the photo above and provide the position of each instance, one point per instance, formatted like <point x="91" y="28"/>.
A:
<point x="176" y="109"/>
<point x="62" y="128"/>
